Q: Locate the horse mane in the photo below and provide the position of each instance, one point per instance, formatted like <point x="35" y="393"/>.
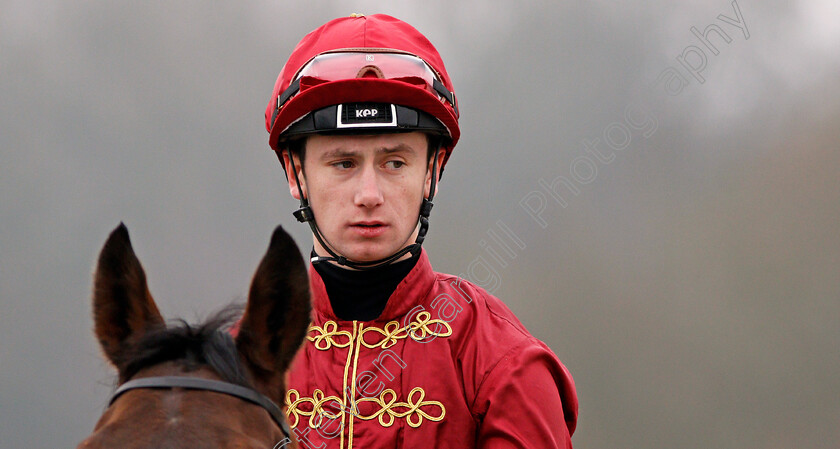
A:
<point x="193" y="346"/>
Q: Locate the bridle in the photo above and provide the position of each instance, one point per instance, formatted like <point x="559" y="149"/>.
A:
<point x="194" y="383"/>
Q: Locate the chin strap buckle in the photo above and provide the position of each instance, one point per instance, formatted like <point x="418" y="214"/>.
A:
<point x="304" y="214"/>
<point x="426" y="208"/>
<point x="421" y="233"/>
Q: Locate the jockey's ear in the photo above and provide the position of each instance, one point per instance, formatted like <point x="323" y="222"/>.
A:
<point x="277" y="314"/>
<point x="291" y="161"/>
<point x="437" y="164"/>
<point x="123" y="308"/>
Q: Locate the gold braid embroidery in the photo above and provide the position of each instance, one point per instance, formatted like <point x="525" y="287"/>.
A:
<point x="418" y="329"/>
<point x="389" y="411"/>
<point x="387" y="414"/>
<point x="353" y="337"/>
<point x="317" y="400"/>
<point x="360" y="333"/>
<point x="325" y="337"/>
<point x="422" y="325"/>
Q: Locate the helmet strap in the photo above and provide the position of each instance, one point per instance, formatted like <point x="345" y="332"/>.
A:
<point x="305" y="215"/>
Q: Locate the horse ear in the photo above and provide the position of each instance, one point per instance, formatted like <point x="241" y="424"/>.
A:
<point x="278" y="311"/>
<point x="123" y="308"/>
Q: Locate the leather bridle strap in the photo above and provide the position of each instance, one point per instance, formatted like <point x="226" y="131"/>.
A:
<point x="193" y="383"/>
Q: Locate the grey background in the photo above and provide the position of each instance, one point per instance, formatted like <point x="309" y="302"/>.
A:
<point x="690" y="285"/>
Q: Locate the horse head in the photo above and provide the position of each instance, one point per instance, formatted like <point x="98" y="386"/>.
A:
<point x="198" y="386"/>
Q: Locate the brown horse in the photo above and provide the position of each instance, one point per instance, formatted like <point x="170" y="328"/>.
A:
<point x="186" y="386"/>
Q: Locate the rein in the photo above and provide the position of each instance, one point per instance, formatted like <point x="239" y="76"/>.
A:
<point x="193" y="383"/>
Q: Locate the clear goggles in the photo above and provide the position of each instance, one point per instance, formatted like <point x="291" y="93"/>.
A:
<point x="368" y="63"/>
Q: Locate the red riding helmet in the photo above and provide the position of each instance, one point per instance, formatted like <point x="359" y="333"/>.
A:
<point x="363" y="74"/>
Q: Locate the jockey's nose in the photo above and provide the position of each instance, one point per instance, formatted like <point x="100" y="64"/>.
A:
<point x="368" y="193"/>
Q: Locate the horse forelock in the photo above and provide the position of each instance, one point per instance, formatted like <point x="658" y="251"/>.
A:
<point x="207" y="344"/>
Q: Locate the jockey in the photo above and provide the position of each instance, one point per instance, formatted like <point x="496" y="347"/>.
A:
<point x="363" y="118"/>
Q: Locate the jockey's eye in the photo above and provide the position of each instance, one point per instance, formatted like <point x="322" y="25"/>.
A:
<point x="343" y="165"/>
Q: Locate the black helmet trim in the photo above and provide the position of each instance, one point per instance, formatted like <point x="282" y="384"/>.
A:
<point x="365" y="118"/>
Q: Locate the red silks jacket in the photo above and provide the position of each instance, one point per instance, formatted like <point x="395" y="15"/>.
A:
<point x="446" y="365"/>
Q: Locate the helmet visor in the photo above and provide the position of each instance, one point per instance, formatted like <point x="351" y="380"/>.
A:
<point x="344" y="65"/>
<point x="348" y="65"/>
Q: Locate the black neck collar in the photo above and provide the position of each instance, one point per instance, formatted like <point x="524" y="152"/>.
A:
<point x="362" y="294"/>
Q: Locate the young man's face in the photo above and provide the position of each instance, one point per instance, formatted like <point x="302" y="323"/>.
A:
<point x="365" y="191"/>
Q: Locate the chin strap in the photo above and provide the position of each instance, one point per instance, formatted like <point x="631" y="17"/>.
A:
<point x="305" y="215"/>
